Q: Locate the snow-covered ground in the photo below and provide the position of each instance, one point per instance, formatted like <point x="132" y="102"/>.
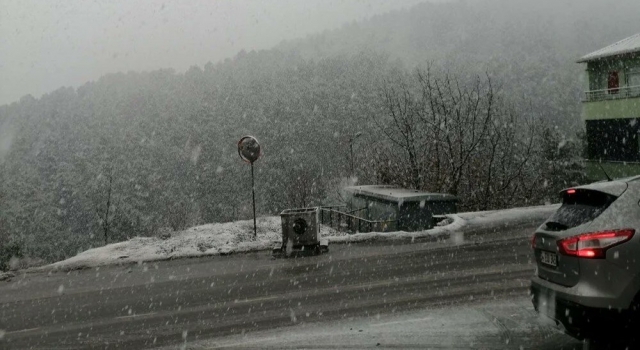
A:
<point x="500" y="324"/>
<point x="4" y="276"/>
<point x="236" y="237"/>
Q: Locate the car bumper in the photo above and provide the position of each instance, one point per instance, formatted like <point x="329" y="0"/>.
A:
<point x="605" y="297"/>
<point x="577" y="319"/>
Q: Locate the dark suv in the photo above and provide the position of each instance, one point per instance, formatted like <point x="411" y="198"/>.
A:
<point x="588" y="262"/>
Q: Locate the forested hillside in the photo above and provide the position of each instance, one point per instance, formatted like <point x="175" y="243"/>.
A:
<point x="530" y="46"/>
<point x="134" y="152"/>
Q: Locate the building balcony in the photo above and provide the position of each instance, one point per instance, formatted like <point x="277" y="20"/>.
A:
<point x="612" y="94"/>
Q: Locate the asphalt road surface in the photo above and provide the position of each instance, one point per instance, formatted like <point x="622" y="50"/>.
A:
<point x="185" y="303"/>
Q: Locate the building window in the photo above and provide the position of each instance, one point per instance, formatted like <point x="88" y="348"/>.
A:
<point x="613" y="82"/>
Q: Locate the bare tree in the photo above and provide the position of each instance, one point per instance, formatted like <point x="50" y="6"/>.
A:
<point x="458" y="118"/>
<point x="400" y="106"/>
<point x="457" y="136"/>
<point x="304" y="188"/>
<point x="106" y="210"/>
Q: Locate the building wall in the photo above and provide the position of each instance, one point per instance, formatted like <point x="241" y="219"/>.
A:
<point x="611" y="109"/>
<point x="613" y="140"/>
<point x="615" y="170"/>
<point x="408" y="216"/>
<point x="622" y="104"/>
<point x="376" y="210"/>
<point x="414" y="217"/>
<point x="612" y="119"/>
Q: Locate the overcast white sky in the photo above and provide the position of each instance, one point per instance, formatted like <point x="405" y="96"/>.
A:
<point x="49" y="43"/>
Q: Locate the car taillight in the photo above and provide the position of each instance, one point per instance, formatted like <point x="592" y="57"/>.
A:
<point x="533" y="241"/>
<point x="593" y="245"/>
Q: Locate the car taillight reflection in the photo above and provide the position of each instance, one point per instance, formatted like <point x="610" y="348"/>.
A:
<point x="593" y="245"/>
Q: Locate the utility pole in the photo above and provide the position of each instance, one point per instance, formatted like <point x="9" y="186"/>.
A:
<point x="253" y="197"/>
<point x="351" y="140"/>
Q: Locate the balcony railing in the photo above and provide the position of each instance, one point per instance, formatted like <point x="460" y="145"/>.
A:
<point x="612" y="94"/>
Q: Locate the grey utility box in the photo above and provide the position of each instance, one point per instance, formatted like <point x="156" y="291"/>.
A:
<point x="301" y="231"/>
<point x="403" y="209"/>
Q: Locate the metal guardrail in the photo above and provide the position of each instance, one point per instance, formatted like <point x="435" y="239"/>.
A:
<point x="334" y="207"/>
<point x="345" y="222"/>
<point x="612" y="94"/>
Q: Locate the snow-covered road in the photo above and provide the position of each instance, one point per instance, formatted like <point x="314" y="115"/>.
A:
<point x="503" y="323"/>
<point x="181" y="302"/>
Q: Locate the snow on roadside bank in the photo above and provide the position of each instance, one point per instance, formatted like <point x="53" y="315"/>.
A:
<point x="509" y="216"/>
<point x="6" y="276"/>
<point x="462" y="222"/>
<point x="237" y="237"/>
<point x="204" y="240"/>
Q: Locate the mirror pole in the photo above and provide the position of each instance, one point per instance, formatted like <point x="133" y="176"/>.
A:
<point x="253" y="195"/>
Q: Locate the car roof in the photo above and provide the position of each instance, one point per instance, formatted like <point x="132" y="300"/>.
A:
<point x="631" y="179"/>
<point x="614" y="187"/>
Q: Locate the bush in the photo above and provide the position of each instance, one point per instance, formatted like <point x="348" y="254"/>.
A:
<point x="7" y="252"/>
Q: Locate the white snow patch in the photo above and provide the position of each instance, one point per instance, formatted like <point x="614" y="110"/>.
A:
<point x="469" y="326"/>
<point x="509" y="216"/>
<point x="195" y="154"/>
<point x="457" y="237"/>
<point x="6" y="276"/>
<point x="210" y="239"/>
<point x="205" y="240"/>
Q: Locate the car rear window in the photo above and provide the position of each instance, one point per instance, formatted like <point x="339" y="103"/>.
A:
<point x="579" y="208"/>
